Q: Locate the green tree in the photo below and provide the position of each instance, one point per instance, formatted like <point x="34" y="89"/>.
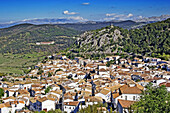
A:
<point x="55" y="111"/>
<point x="92" y="108"/>
<point x="111" y="110"/>
<point x="47" y="89"/>
<point x="153" y="100"/>
<point x="1" y="92"/>
<point x="4" y="79"/>
<point x="108" y="64"/>
<point x="40" y="71"/>
<point x="26" y="71"/>
<point x="50" y="74"/>
<point x="42" y="112"/>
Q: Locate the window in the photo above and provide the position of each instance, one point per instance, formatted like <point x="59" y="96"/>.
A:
<point x="125" y="97"/>
<point x="133" y="97"/>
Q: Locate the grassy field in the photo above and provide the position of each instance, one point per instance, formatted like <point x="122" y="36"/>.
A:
<point x="16" y="63"/>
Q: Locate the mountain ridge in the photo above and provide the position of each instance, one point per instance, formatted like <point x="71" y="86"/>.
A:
<point x="79" y="20"/>
<point x="152" y="39"/>
<point x="89" y="25"/>
<point x="22" y="38"/>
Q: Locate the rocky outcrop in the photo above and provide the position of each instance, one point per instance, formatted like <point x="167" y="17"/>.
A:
<point x="101" y="41"/>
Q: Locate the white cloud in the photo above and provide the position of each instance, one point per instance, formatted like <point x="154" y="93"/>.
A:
<point x="120" y="16"/>
<point x="79" y="18"/>
<point x="69" y="19"/>
<point x="112" y="14"/>
<point x="25" y="20"/>
<point x="74" y="18"/>
<point x="29" y="19"/>
<point x="140" y="17"/>
<point x="137" y="18"/>
<point x="108" y="19"/>
<point x="11" y="22"/>
<point x="86" y="3"/>
<point x="130" y="15"/>
<point x="69" y="13"/>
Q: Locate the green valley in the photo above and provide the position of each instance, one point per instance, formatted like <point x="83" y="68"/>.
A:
<point x="17" y="63"/>
<point x="19" y="49"/>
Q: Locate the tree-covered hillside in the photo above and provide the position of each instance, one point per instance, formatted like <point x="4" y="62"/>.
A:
<point x="23" y="38"/>
<point x="152" y="39"/>
<point x="18" y="48"/>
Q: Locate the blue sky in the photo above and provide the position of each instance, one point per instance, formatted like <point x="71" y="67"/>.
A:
<point x="16" y="10"/>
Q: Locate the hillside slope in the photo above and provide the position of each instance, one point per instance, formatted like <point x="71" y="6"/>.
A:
<point x="22" y="38"/>
<point x="152" y="39"/>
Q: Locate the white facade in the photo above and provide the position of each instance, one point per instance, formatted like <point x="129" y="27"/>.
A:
<point x="68" y="100"/>
<point x="103" y="73"/>
<point x="139" y="65"/>
<point x="105" y="97"/>
<point x="58" y="95"/>
<point x="125" y="69"/>
<point x="90" y="103"/>
<point x="15" y="107"/>
<point x="166" y="76"/>
<point x="48" y="104"/>
<point x="11" y="93"/>
<point x="160" y="81"/>
<point x="5" y="110"/>
<point x="68" y="108"/>
<point x="131" y="97"/>
<point x="102" y="66"/>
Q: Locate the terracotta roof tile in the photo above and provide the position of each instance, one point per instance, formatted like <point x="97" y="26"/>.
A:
<point x="125" y="89"/>
<point x="42" y="99"/>
<point x="2" y="105"/>
<point x="125" y="103"/>
<point x="104" y="91"/>
<point x="75" y="103"/>
<point x="102" y="70"/>
<point x="94" y="99"/>
<point x="115" y="95"/>
<point x="166" y="84"/>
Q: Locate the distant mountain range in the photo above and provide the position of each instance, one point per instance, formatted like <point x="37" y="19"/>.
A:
<point x="83" y="26"/>
<point x="41" y="21"/>
<point x="153" y="19"/>
<point x="74" y="22"/>
<point x="92" y="25"/>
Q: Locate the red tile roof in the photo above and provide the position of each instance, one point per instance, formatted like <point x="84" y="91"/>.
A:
<point x="125" y="103"/>
<point x="125" y="89"/>
<point x="75" y="103"/>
